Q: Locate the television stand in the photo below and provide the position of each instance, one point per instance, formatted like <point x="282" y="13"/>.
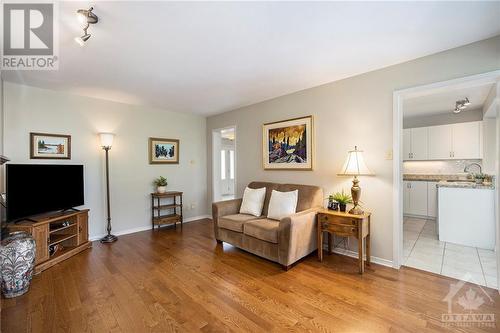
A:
<point x="58" y="236"/>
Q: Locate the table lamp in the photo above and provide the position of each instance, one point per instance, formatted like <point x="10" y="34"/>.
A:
<point x="355" y="166"/>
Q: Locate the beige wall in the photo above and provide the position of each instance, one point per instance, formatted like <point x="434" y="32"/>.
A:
<point x="29" y="109"/>
<point x="355" y="111"/>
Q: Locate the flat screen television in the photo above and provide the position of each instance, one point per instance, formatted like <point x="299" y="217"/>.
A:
<point x="42" y="188"/>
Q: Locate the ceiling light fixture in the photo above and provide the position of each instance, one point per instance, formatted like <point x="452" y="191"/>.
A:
<point x="88" y="17"/>
<point x="461" y="105"/>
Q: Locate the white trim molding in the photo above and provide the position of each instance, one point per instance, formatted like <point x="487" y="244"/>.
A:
<point x="148" y="227"/>
<point x="353" y="254"/>
<point x="397" y="146"/>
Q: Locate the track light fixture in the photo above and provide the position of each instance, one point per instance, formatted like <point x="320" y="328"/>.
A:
<point x="461" y="105"/>
<point x="87" y="17"/>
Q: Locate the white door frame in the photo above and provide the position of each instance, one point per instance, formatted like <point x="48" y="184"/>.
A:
<point x="397" y="148"/>
<point x="214" y="171"/>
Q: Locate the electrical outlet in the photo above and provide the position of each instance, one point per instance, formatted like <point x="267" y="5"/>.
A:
<point x="193" y="206"/>
<point x="388" y="155"/>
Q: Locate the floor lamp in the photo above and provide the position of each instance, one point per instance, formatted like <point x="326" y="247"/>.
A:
<point x="106" y="143"/>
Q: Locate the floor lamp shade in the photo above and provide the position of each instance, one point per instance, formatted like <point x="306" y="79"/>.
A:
<point x="355" y="166"/>
<point x="106" y="139"/>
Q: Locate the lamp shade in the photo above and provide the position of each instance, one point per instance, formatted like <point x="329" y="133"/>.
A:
<point x="355" y="164"/>
<point x="106" y="139"/>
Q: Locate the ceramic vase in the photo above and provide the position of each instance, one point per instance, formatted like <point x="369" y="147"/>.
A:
<point x="17" y="259"/>
<point x="161" y="189"/>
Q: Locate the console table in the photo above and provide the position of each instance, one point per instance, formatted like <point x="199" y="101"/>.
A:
<point x="173" y="209"/>
<point x="57" y="236"/>
<point x="345" y="225"/>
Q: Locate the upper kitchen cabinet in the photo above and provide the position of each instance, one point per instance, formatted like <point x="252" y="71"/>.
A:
<point x="445" y="142"/>
<point x="467" y="140"/>
<point x="440" y="142"/>
<point x="415" y="142"/>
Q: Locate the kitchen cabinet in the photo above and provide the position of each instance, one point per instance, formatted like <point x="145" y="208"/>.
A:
<point x="415" y="143"/>
<point x="415" y="198"/>
<point x="406" y="197"/>
<point x="432" y="199"/>
<point x="467" y="140"/>
<point x="444" y="142"/>
<point x="407" y="144"/>
<point x="440" y="142"/>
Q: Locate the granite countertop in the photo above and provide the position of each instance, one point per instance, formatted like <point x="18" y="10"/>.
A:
<point x="434" y="177"/>
<point x="465" y="185"/>
<point x="447" y="180"/>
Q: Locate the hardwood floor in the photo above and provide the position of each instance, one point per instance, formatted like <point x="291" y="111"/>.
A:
<point x="184" y="281"/>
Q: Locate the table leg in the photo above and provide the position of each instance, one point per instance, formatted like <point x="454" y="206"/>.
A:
<point x="368" y="254"/>
<point x="360" y="253"/>
<point x="320" y="244"/>
<point x="330" y="241"/>
<point x="368" y="244"/>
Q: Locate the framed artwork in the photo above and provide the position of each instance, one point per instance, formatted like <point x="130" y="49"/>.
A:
<point x="50" y="146"/>
<point x="163" y="151"/>
<point x="287" y="144"/>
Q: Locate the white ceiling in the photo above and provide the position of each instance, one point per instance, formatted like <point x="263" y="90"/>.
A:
<point x="207" y="58"/>
<point x="444" y="101"/>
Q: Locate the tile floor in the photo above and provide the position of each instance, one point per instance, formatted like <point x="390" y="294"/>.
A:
<point x="423" y="250"/>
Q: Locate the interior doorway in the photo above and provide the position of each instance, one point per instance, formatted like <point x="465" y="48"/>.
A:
<point x="224" y="163"/>
<point x="433" y="171"/>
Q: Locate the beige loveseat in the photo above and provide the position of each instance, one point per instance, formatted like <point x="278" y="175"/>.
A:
<point x="284" y="241"/>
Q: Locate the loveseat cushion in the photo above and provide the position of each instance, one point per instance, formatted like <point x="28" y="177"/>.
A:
<point x="263" y="229"/>
<point x="235" y="222"/>
<point x="269" y="188"/>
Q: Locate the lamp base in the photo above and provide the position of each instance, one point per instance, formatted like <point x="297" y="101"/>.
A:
<point x="356" y="211"/>
<point x="109" y="239"/>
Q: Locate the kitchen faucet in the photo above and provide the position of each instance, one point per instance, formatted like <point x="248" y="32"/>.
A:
<point x="466" y="169"/>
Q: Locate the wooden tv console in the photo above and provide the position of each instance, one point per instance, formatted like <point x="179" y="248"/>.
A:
<point x="67" y="229"/>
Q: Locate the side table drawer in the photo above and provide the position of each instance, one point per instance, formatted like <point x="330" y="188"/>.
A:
<point x="336" y="220"/>
<point x="340" y="229"/>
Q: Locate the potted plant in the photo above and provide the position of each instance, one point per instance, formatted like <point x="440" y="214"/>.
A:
<point x="161" y="184"/>
<point x="479" y="178"/>
<point x="343" y="199"/>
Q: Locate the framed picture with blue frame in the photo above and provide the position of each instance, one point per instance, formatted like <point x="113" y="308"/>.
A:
<point x="163" y="151"/>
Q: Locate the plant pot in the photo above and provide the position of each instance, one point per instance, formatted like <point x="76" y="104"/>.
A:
<point x="17" y="259"/>
<point x="161" y="189"/>
<point x="342" y="207"/>
<point x="479" y="181"/>
<point x="334" y="205"/>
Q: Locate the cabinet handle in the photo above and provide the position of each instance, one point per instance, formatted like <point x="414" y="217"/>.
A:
<point x="48" y="240"/>
<point x="80" y="229"/>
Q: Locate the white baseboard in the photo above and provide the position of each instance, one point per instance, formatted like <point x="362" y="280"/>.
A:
<point x="352" y="254"/>
<point x="147" y="227"/>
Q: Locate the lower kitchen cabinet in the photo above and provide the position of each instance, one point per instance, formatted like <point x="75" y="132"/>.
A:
<point x="432" y="199"/>
<point x="420" y="198"/>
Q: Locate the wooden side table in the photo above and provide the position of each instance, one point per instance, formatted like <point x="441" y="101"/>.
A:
<point x="345" y="225"/>
<point x="173" y="208"/>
